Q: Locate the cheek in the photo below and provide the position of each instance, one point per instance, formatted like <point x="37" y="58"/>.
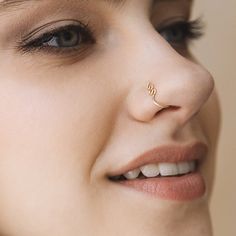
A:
<point x="54" y="112"/>
<point x="51" y="132"/>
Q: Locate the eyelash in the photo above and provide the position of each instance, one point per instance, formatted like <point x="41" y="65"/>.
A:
<point x="191" y="30"/>
<point x="36" y="45"/>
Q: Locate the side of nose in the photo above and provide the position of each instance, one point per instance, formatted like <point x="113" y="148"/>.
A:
<point x="178" y="82"/>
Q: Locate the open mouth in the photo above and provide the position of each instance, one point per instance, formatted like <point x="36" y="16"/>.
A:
<point x="170" y="181"/>
<point x="158" y="170"/>
<point x="170" y="172"/>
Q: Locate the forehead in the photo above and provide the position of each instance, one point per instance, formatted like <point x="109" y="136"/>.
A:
<point x="9" y="2"/>
<point x="7" y="5"/>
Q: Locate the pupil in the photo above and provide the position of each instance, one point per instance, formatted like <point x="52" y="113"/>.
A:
<point x="177" y="34"/>
<point x="68" y="38"/>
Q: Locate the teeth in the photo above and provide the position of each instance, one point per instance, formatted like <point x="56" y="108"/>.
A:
<point x="163" y="169"/>
<point x="151" y="170"/>
<point x="133" y="174"/>
<point x="183" y="167"/>
<point x="167" y="169"/>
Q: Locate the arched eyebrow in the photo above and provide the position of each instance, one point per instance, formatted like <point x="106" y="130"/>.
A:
<point x="9" y="4"/>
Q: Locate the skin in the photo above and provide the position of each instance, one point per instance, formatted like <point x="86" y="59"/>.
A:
<point x="67" y="120"/>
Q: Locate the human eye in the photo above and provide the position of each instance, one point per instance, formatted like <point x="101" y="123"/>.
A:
<point x="180" y="32"/>
<point x="62" y="36"/>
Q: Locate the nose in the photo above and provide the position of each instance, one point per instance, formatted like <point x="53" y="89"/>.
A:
<point x="174" y="81"/>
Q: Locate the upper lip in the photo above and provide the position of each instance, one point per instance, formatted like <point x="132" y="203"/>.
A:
<point x="166" y="153"/>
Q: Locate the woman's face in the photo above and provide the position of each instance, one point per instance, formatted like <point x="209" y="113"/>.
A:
<point x="75" y="110"/>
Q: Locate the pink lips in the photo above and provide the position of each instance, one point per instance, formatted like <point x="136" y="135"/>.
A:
<point x="180" y="188"/>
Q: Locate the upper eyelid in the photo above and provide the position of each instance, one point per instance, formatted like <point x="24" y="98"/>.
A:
<point x="54" y="29"/>
<point x="168" y="24"/>
<point x="171" y="19"/>
<point x="83" y="25"/>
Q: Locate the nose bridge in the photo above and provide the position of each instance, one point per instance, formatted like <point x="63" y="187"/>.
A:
<point x="179" y="82"/>
<point x="147" y="49"/>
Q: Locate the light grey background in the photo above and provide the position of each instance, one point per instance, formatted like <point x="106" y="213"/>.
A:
<point x="217" y="51"/>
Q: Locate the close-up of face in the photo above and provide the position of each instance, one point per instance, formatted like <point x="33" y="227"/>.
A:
<point x="108" y="125"/>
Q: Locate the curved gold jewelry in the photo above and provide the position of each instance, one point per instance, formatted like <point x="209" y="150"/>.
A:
<point x="153" y="91"/>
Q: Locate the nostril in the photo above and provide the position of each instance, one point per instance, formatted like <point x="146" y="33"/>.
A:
<point x="167" y="109"/>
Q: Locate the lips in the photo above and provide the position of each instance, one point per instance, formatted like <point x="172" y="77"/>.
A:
<point x="183" y="187"/>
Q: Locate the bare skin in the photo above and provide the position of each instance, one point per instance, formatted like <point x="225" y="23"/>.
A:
<point x="68" y="117"/>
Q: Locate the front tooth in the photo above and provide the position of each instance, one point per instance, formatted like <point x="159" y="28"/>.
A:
<point x="183" y="167"/>
<point x="150" y="170"/>
<point x="167" y="169"/>
<point x="133" y="174"/>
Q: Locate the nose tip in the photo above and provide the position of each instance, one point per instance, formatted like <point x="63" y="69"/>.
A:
<point x="197" y="92"/>
<point x="187" y="88"/>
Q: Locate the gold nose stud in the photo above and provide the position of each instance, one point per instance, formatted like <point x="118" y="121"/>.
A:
<point x="153" y="92"/>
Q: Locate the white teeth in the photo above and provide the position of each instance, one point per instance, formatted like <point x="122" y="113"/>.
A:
<point x="183" y="167"/>
<point x="163" y="169"/>
<point x="192" y="165"/>
<point x="133" y="174"/>
<point x="151" y="170"/>
<point x="167" y="169"/>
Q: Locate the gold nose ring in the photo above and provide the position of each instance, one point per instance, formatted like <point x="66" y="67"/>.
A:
<point x="152" y="92"/>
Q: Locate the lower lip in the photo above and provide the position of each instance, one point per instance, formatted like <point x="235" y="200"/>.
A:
<point x="183" y="188"/>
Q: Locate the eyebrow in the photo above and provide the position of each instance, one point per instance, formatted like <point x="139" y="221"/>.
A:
<point x="8" y="4"/>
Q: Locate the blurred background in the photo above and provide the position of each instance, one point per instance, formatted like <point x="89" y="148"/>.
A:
<point x="217" y="51"/>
